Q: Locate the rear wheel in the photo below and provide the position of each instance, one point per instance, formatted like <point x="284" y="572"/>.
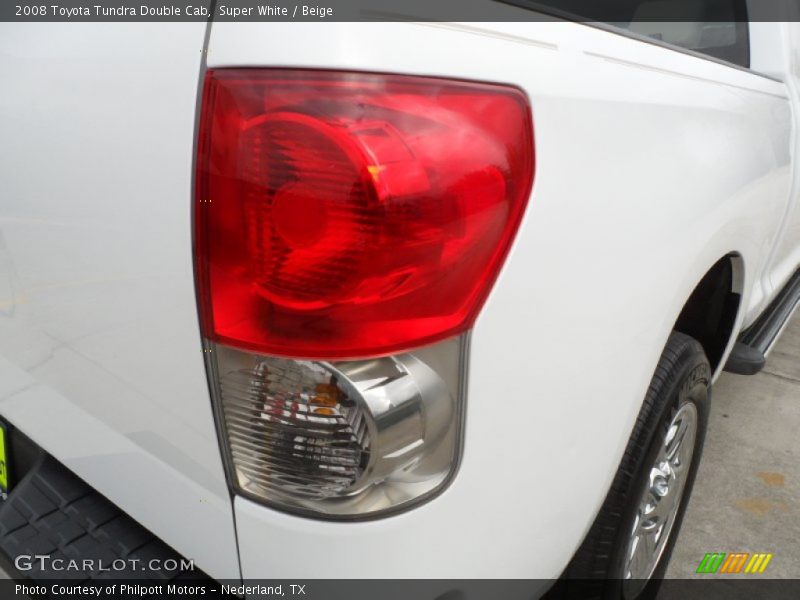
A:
<point x="628" y="547"/>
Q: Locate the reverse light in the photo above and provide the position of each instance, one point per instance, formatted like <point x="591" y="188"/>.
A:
<point x="339" y="438"/>
<point x="348" y="230"/>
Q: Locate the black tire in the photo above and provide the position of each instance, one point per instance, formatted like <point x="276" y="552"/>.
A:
<point x="683" y="375"/>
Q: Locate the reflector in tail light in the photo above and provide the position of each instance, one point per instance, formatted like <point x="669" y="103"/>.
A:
<point x="348" y="229"/>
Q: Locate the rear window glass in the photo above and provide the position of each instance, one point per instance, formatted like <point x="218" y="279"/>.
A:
<point x="717" y="28"/>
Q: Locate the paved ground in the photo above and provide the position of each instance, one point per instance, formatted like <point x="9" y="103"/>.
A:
<point x="747" y="494"/>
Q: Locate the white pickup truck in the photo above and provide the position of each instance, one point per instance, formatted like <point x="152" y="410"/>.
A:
<point x="388" y="300"/>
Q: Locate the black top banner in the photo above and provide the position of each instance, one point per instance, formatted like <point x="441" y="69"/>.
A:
<point x="608" y="11"/>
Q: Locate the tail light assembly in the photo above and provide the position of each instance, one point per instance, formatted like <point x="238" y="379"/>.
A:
<point x="348" y="229"/>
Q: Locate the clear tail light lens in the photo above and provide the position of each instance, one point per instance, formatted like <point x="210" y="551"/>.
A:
<point x="348" y="229"/>
<point x="340" y="438"/>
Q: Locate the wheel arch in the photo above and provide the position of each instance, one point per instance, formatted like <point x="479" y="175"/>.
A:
<point x="710" y="313"/>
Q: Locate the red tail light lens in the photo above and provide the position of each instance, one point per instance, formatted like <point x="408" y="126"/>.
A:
<point x="353" y="215"/>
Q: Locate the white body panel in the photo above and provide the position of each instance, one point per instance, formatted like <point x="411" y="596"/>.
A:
<point x="100" y="359"/>
<point x="786" y="254"/>
<point x="651" y="165"/>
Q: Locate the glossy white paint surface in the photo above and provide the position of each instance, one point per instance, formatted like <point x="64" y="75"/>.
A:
<point x="786" y="253"/>
<point x="100" y="359"/>
<point x="651" y="165"/>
